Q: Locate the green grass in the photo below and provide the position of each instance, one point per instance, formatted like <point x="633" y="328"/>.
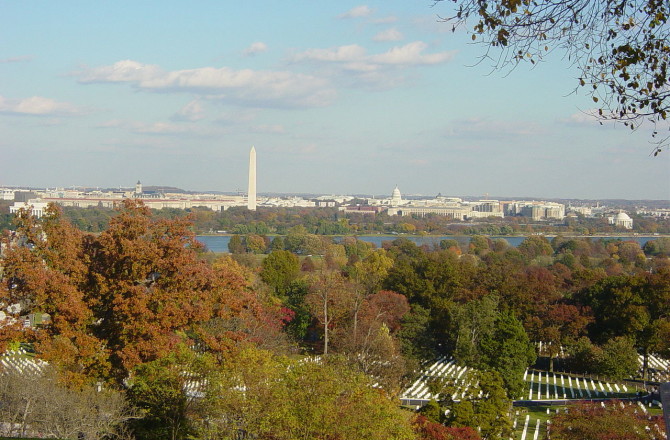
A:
<point x="538" y="412"/>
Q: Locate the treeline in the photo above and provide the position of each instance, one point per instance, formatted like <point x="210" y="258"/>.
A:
<point x="310" y="338"/>
<point x="329" y="221"/>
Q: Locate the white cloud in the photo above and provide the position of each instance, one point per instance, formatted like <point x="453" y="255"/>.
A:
<point x="408" y="55"/>
<point x="17" y="59"/>
<point x="244" y="87"/>
<point x="353" y="64"/>
<point x="352" y="52"/>
<point x="255" y="48"/>
<point x="193" y="111"/>
<point x="388" y="35"/>
<point x="357" y="12"/>
<point x="412" y="54"/>
<point x="113" y="123"/>
<point x="385" y="20"/>
<point x="269" y="129"/>
<point x="163" y="128"/>
<point x="121" y="71"/>
<point x="240" y="116"/>
<point x="37" y="106"/>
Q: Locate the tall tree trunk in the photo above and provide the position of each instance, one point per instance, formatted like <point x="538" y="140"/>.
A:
<point x="25" y="417"/>
<point x="325" y="325"/>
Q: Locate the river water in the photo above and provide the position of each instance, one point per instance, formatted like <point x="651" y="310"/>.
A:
<point x="219" y="243"/>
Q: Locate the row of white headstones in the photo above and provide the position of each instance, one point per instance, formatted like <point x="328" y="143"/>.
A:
<point x="19" y="361"/>
<point x="571" y="387"/>
<point x="442" y="368"/>
<point x="541" y="386"/>
<point x="659" y="368"/>
<point x="541" y="427"/>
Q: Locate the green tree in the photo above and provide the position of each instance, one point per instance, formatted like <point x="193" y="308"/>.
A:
<point x="277" y="244"/>
<point x="474" y="321"/>
<point x="633" y="306"/>
<point x="415" y="336"/>
<point x="296" y="239"/>
<point x="236" y="245"/>
<point x="463" y="414"/>
<point x="659" y="246"/>
<point x="508" y="351"/>
<point x="479" y="244"/>
<point x="256" y="244"/>
<point x="485" y="408"/>
<point x="584" y="356"/>
<point x="432" y="411"/>
<point x="166" y="390"/>
<point x="619" y="359"/>
<point x="535" y="246"/>
<point x="295" y="300"/>
<point x="269" y="397"/>
<point x="280" y="269"/>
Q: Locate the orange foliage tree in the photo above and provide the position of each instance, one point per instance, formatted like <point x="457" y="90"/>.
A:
<point x="126" y="296"/>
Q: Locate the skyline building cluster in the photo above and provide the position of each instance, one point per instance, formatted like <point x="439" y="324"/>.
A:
<point x="395" y="205"/>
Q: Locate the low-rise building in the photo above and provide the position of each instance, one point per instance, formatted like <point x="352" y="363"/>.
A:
<point x="536" y="210"/>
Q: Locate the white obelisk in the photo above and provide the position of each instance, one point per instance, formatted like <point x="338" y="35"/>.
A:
<point x="251" y="194"/>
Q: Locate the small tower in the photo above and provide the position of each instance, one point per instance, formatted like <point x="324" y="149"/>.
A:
<point x="138" y="188"/>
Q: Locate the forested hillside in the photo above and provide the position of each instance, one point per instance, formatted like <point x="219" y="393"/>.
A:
<point x="285" y="345"/>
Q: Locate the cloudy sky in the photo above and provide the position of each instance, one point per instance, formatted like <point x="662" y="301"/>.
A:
<point x="337" y="97"/>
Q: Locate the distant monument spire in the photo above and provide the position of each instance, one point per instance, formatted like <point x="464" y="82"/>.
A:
<point x="251" y="193"/>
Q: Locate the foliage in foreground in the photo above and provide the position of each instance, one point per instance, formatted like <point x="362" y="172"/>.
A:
<point x="40" y="404"/>
<point x="265" y="396"/>
<point x="615" y="420"/>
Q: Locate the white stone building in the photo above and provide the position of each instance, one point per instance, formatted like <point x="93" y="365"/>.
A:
<point x="621" y="220"/>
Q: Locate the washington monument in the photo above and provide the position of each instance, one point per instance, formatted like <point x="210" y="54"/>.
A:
<point x="251" y="193"/>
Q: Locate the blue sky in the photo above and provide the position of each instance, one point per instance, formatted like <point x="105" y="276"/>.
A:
<point x="337" y="97"/>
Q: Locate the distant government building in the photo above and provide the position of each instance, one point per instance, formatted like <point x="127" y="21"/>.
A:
<point x="450" y="207"/>
<point x="38" y="200"/>
<point x="453" y="207"/>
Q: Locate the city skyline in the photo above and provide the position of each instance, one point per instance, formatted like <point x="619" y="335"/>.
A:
<point x="352" y="97"/>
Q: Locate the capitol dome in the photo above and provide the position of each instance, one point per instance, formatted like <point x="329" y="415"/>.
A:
<point x="396" y="198"/>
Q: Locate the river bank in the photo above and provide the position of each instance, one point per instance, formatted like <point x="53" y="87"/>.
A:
<point x="219" y="242"/>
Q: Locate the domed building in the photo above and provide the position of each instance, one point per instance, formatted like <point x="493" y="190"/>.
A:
<point x="396" y="198"/>
<point x="621" y="220"/>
